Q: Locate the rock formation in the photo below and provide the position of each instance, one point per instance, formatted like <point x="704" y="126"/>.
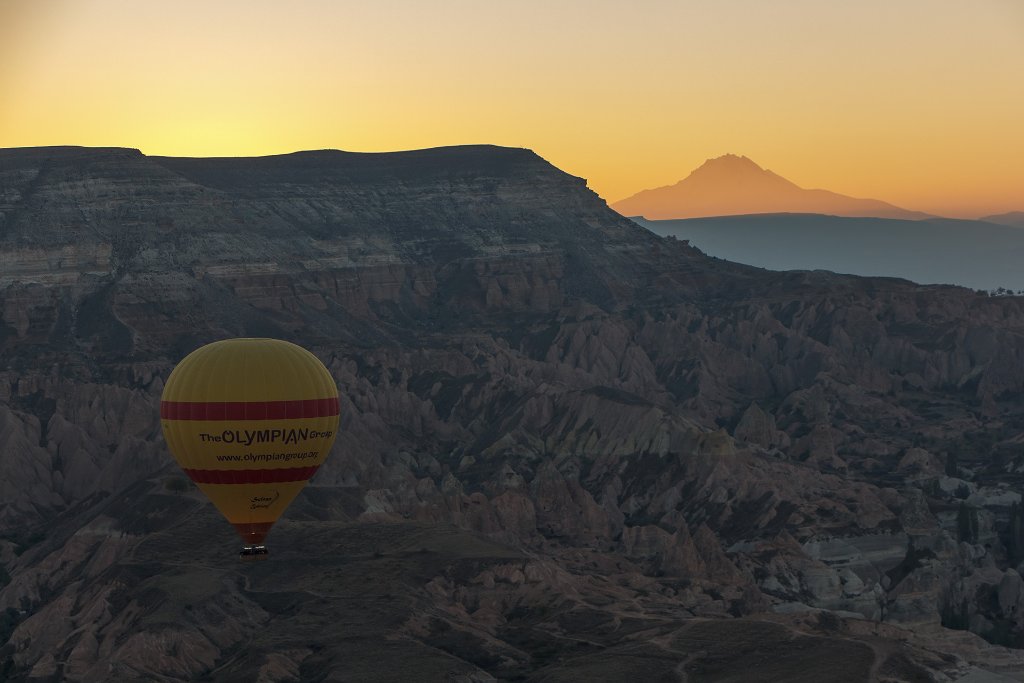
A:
<point x="563" y="438"/>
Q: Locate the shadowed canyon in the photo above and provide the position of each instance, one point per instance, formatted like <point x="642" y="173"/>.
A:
<point x="570" y="449"/>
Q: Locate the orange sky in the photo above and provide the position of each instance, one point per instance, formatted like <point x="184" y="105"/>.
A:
<point x="916" y="102"/>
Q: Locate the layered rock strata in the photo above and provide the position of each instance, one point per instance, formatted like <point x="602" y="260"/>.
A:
<point x="594" y="434"/>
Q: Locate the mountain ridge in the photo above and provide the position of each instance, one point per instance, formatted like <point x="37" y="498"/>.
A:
<point x="733" y="185"/>
<point x="1011" y="218"/>
<point x="962" y="252"/>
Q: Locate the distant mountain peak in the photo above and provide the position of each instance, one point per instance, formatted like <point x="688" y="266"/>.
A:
<point x="733" y="172"/>
<point x="734" y="184"/>
<point x="731" y="161"/>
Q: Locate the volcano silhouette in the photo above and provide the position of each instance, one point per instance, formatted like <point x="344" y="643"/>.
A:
<point x="732" y="185"/>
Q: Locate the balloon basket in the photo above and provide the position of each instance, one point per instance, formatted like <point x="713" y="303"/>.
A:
<point x="253" y="553"/>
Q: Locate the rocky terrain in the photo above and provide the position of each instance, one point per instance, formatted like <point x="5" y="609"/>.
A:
<point x="570" y="449"/>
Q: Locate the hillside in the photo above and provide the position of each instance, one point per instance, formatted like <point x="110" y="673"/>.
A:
<point x="569" y="447"/>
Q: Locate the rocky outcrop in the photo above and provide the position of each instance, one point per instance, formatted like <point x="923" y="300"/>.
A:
<point x="618" y="432"/>
<point x="758" y="427"/>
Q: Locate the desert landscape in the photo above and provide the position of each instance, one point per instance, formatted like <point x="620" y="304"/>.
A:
<point x="569" y="448"/>
<point x="403" y="342"/>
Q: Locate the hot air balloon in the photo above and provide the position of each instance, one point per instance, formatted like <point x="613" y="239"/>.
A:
<point x="250" y="421"/>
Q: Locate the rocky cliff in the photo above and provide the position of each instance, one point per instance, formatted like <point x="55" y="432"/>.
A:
<point x="566" y="443"/>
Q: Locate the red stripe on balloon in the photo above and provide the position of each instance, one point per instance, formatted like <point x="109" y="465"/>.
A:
<point x="249" y="410"/>
<point x="268" y="476"/>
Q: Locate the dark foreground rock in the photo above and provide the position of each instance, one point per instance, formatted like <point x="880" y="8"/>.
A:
<point x="568" y="446"/>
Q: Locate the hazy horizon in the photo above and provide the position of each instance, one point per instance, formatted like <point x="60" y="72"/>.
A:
<point x="915" y="104"/>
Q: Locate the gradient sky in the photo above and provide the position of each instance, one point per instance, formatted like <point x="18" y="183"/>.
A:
<point x="916" y="102"/>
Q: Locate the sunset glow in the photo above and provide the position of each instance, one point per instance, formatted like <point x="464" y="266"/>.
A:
<point x="915" y="102"/>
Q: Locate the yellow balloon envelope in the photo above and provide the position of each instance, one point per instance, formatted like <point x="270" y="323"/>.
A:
<point x="250" y="421"/>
